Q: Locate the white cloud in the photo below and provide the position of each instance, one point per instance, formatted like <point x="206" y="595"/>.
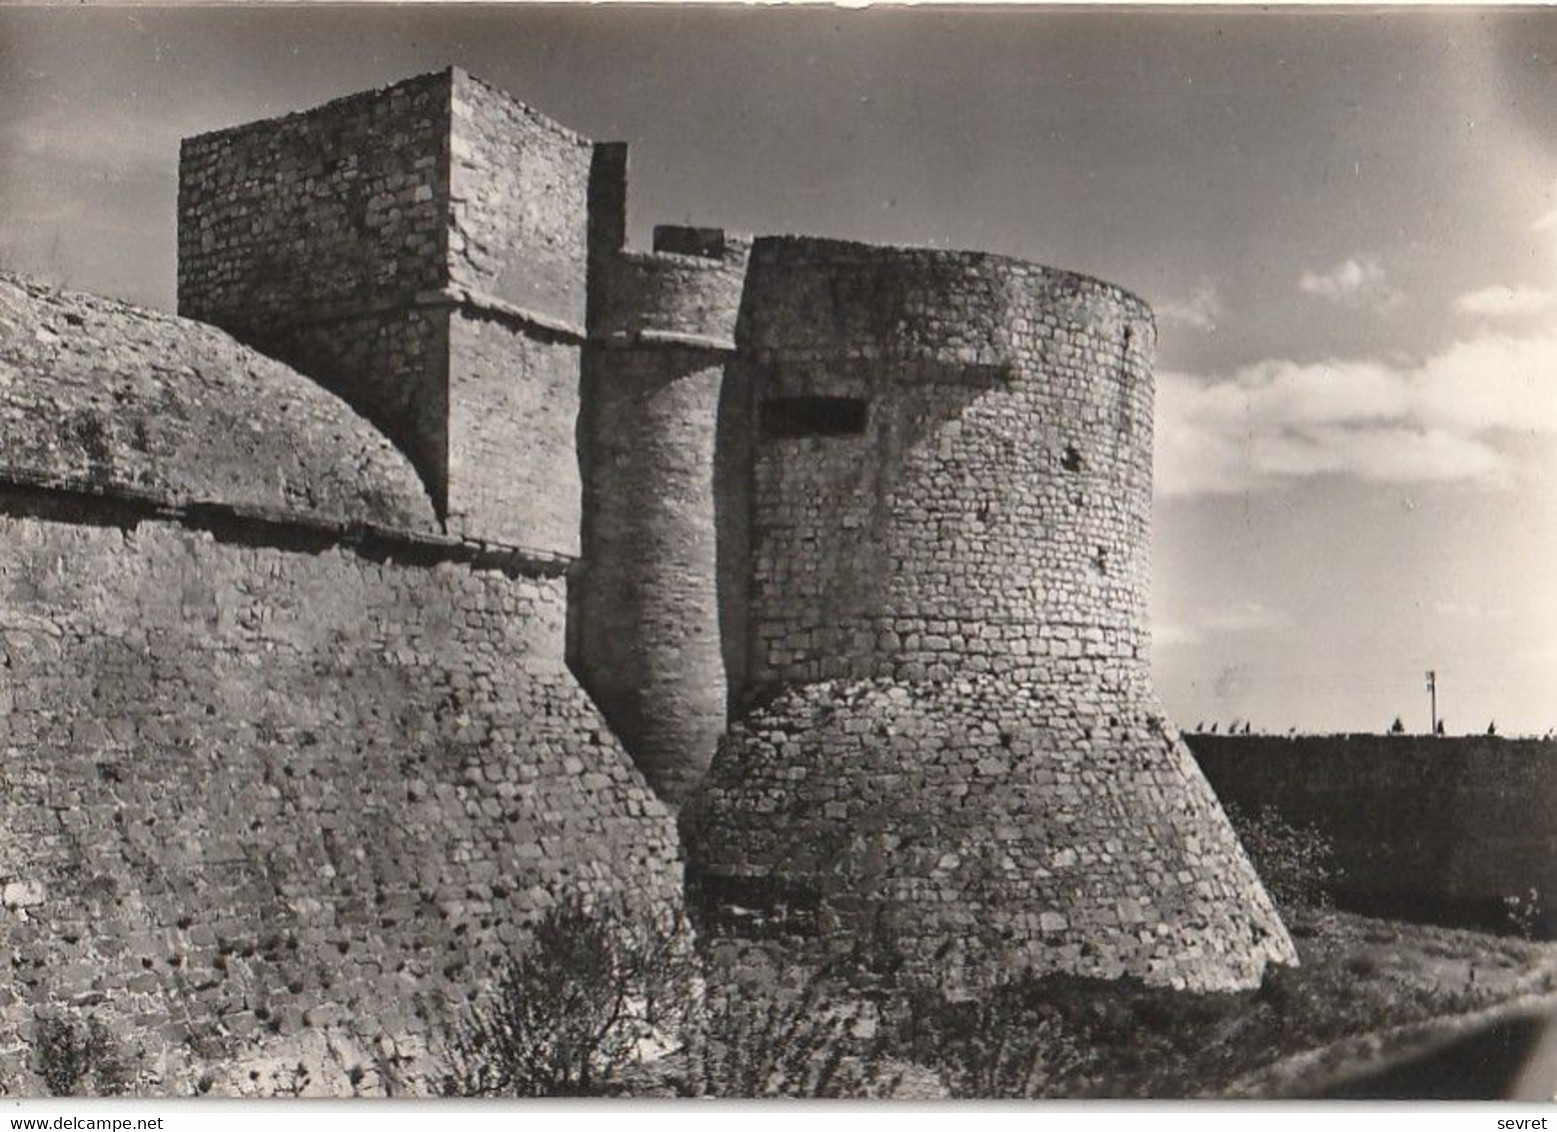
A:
<point x="1472" y="611"/>
<point x="1357" y="282"/>
<point x="1200" y="310"/>
<point x="1245" y="617"/>
<point x="1506" y="302"/>
<point x="1436" y="420"/>
<point x="1542" y="656"/>
<point x="1170" y="634"/>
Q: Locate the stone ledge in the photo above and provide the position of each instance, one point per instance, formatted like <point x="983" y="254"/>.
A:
<point x="625" y="339"/>
<point x="461" y="297"/>
<point x="493" y="307"/>
<point x="24" y="491"/>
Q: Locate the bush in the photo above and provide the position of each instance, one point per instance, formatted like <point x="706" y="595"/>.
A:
<point x="1047" y="1035"/>
<point x="598" y="990"/>
<point x="1524" y="914"/>
<point x="79" y="1058"/>
<point x="1364" y="965"/>
<point x="604" y="1002"/>
<point x="776" y="1044"/>
<point x="1012" y="1040"/>
<point x="1296" y="863"/>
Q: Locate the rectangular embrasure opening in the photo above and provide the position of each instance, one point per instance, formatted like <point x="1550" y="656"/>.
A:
<point x="812" y="416"/>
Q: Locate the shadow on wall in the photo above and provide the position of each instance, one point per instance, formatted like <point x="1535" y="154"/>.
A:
<point x="841" y="437"/>
<point x="644" y="618"/>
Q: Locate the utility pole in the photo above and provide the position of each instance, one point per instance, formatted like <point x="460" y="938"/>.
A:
<point x="1432" y="691"/>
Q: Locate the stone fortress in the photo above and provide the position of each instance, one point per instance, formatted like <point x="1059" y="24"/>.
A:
<point x="475" y="550"/>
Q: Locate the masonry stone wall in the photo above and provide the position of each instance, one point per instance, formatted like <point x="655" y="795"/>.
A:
<point x="513" y="419"/>
<point x="646" y="633"/>
<point x="421" y="251"/>
<point x="1440" y="829"/>
<point x="647" y="639"/>
<point x="103" y="397"/>
<point x="991" y="510"/>
<point x="485" y="409"/>
<point x="518" y="220"/>
<point x="311" y="237"/>
<point x="687" y="291"/>
<point x="319" y="213"/>
<point x="977" y="826"/>
<point x="946" y="744"/>
<point x="392" y="366"/>
<point x="251" y="790"/>
<point x="282" y="763"/>
<point x="292" y="753"/>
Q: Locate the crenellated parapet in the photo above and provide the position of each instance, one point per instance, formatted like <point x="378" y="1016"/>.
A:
<point x="686" y="292"/>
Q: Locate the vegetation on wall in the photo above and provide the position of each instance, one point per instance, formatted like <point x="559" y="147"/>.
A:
<point x="1296" y="863"/>
<point x="78" y="1057"/>
<point x="597" y="990"/>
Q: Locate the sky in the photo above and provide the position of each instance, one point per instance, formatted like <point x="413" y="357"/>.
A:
<point x="1346" y="222"/>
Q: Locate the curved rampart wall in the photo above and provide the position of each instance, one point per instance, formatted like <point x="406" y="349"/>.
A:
<point x="105" y="397"/>
<point x="284" y="765"/>
<point x="986" y="504"/>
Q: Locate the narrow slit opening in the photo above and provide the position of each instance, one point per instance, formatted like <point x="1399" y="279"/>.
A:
<point x="794" y="417"/>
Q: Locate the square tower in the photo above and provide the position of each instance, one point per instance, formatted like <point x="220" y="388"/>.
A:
<point x="421" y="250"/>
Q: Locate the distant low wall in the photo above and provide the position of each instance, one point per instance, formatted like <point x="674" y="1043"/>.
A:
<point x="1430" y="829"/>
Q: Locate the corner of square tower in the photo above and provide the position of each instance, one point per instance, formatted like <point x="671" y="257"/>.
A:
<point x="420" y="250"/>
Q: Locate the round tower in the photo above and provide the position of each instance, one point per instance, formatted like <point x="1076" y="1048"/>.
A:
<point x="947" y="735"/>
<point x="646" y="631"/>
<point x="952" y="468"/>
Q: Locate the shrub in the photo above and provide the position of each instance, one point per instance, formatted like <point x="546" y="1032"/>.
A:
<point x="1365" y="965"/>
<point x="598" y="990"/>
<point x="79" y="1058"/>
<point x="1032" y="1036"/>
<point x="604" y="1002"/>
<point x="787" y="1044"/>
<point x="1524" y="913"/>
<point x="1009" y="1041"/>
<point x="1296" y="863"/>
